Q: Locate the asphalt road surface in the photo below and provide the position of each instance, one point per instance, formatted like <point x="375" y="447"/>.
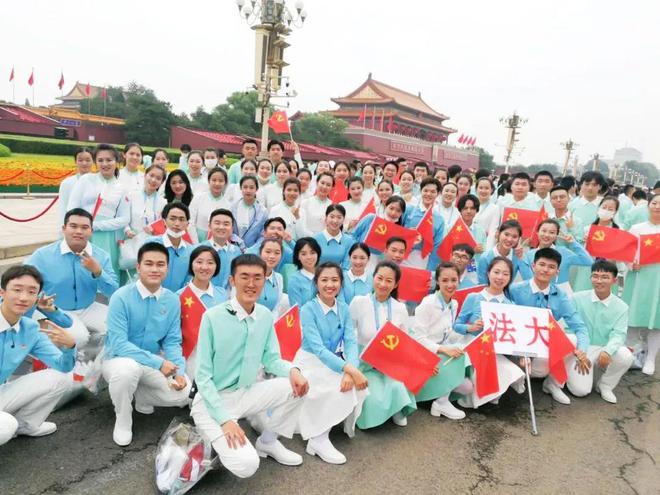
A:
<point x="589" y="447"/>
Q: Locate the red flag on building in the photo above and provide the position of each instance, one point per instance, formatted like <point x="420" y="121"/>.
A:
<point x="279" y="122"/>
<point x="104" y="93"/>
<point x="461" y="295"/>
<point x="484" y="361"/>
<point x="649" y="249"/>
<point x="459" y="234"/>
<point x="390" y="124"/>
<point x="425" y="229"/>
<point x="192" y="310"/>
<point x="363" y="114"/>
<point x="543" y="215"/>
<point x="415" y="284"/>
<point x="31" y="79"/>
<point x="60" y="84"/>
<point x="611" y="244"/>
<point x="159" y="228"/>
<point x="381" y="230"/>
<point x="11" y="75"/>
<point x="528" y="219"/>
<point x="473" y="142"/>
<point x="396" y="354"/>
<point x="559" y="346"/>
<point x="461" y="139"/>
<point x="339" y="192"/>
<point x="88" y="90"/>
<point x="370" y="208"/>
<point x="289" y="333"/>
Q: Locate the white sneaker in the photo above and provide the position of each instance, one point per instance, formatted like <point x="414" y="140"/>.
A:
<point x="399" y="419"/>
<point x="606" y="394"/>
<point x="325" y="450"/>
<point x="122" y="435"/>
<point x="45" y="428"/>
<point x="144" y="408"/>
<point x="649" y="367"/>
<point x="557" y="394"/>
<point x="446" y="409"/>
<point x="278" y="452"/>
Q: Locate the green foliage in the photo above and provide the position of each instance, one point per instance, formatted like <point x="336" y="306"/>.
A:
<point x="649" y="170"/>
<point x="549" y="167"/>
<point x="114" y="105"/>
<point x="486" y="160"/>
<point x="603" y="167"/>
<point x="148" y="120"/>
<point x="324" y="129"/>
<point x="4" y="151"/>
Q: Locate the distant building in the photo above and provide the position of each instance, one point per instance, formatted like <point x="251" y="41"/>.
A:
<point x="78" y="94"/>
<point x="623" y="155"/>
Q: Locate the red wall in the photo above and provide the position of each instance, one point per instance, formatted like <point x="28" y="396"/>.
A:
<point x="28" y="128"/>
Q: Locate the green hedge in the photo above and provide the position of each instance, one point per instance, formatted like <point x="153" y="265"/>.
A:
<point x="4" y="151"/>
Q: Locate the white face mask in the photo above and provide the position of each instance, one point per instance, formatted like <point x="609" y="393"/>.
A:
<point x="175" y="235"/>
<point x="604" y="214"/>
<point x="211" y="162"/>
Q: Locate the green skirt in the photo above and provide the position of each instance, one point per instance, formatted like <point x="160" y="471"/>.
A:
<point x="202" y="235"/>
<point x="448" y="378"/>
<point x="641" y="293"/>
<point x="107" y="240"/>
<point x="386" y="398"/>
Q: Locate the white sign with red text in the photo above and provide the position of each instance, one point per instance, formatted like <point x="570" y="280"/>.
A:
<point x="518" y="330"/>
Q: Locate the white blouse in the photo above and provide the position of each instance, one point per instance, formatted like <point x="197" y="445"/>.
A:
<point x="145" y="210"/>
<point x="364" y="319"/>
<point x="203" y="204"/>
<point x="312" y="215"/>
<point x="131" y="181"/>
<point x="199" y="184"/>
<point x="433" y="323"/>
<point x="283" y="211"/>
<point x="353" y="210"/>
<point x="270" y="195"/>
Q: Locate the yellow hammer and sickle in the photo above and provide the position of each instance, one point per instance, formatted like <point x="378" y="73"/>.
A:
<point x="430" y="220"/>
<point x="599" y="235"/>
<point x="289" y="321"/>
<point x="512" y="216"/>
<point x="390" y="341"/>
<point x="279" y="118"/>
<point x="381" y="229"/>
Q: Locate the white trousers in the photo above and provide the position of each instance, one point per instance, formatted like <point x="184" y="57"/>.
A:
<point x="269" y="403"/>
<point x="89" y="328"/>
<point x="127" y="379"/>
<point x="27" y="401"/>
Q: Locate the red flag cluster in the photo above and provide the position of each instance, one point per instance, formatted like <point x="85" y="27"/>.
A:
<point x="467" y="140"/>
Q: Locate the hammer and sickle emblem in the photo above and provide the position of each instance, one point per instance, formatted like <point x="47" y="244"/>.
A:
<point x="381" y="229"/>
<point x="512" y="216"/>
<point x="279" y="118"/>
<point x="390" y="342"/>
<point x="599" y="235"/>
<point x="289" y="321"/>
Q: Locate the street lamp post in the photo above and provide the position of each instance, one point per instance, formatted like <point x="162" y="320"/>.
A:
<point x="272" y="21"/>
<point x="513" y="123"/>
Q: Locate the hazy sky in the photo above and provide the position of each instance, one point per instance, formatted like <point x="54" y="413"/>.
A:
<point x="586" y="70"/>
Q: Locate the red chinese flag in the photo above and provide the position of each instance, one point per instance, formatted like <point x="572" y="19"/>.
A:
<point x="370" y="208"/>
<point x="363" y="114"/>
<point x="396" y="354"/>
<point x="534" y="241"/>
<point x="381" y="230"/>
<point x="559" y="346"/>
<point x="528" y="219"/>
<point x="461" y="295"/>
<point x="461" y="139"/>
<point x="11" y="75"/>
<point x="289" y="333"/>
<point x="459" y="234"/>
<point x="415" y="284"/>
<point x="97" y="205"/>
<point x="61" y="83"/>
<point x="159" y="228"/>
<point x="474" y="141"/>
<point x="649" y="249"/>
<point x="339" y="192"/>
<point x="425" y="229"/>
<point x="40" y="365"/>
<point x="192" y="309"/>
<point x="31" y="79"/>
<point x="88" y="89"/>
<point x="104" y="93"/>
<point x="611" y="244"/>
<point x="279" y="122"/>
<point x="484" y="361"/>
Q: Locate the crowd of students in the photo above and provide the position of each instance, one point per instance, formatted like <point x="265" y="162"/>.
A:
<point x="254" y="239"/>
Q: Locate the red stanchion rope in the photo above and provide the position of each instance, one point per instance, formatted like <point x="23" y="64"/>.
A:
<point x="7" y="179"/>
<point x="52" y="178"/>
<point x="22" y="220"/>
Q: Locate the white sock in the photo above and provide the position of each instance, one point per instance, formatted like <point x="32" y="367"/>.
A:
<point x="442" y="400"/>
<point x="653" y="342"/>
<point x="268" y="436"/>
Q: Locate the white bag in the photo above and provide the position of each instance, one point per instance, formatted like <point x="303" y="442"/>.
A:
<point x="128" y="250"/>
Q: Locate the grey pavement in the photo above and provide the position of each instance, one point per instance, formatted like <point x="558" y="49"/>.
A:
<point x="41" y="230"/>
<point x="589" y="447"/>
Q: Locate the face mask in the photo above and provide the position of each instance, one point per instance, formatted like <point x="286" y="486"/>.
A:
<point x="604" y="214"/>
<point x="175" y="235"/>
<point x="211" y="162"/>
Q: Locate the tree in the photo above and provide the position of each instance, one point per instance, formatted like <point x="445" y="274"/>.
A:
<point x="115" y="104"/>
<point x="237" y="115"/>
<point x="200" y="119"/>
<point x="603" y="167"/>
<point x="148" y="120"/>
<point x="649" y="170"/>
<point x="324" y="129"/>
<point x="486" y="160"/>
<point x="549" y="167"/>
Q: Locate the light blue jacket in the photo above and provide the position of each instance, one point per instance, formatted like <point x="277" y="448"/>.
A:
<point x="300" y="289"/>
<point x="226" y="256"/>
<point x="256" y="227"/>
<point x="576" y="255"/>
<point x="177" y="266"/>
<point x="336" y="252"/>
<point x="486" y="258"/>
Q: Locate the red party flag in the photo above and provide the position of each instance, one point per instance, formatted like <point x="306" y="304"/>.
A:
<point x="61" y="83"/>
<point x="339" y="192"/>
<point x="459" y="234"/>
<point x="612" y="244"/>
<point x="461" y="295"/>
<point x="279" y="122"/>
<point x="381" y="230"/>
<point x="97" y="205"/>
<point x="415" y="284"/>
<point x="461" y="139"/>
<point x="192" y="310"/>
<point x="11" y="75"/>
<point x="159" y="228"/>
<point x="528" y="219"/>
<point x="534" y="241"/>
<point x="31" y="79"/>
<point x="396" y="354"/>
<point x="559" y="346"/>
<point x="370" y="208"/>
<point x="484" y="361"/>
<point x="88" y="89"/>
<point x="425" y="229"/>
<point x="289" y="333"/>
<point x="649" y="249"/>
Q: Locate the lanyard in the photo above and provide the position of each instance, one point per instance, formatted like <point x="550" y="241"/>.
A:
<point x="389" y="310"/>
<point x="145" y="214"/>
<point x="446" y="306"/>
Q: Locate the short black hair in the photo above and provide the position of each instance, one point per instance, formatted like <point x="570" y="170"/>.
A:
<point x="274" y="142"/>
<point x="18" y="271"/>
<point x="466" y="248"/>
<point x="249" y="141"/>
<point x="224" y="212"/>
<point x="335" y="207"/>
<point x="246" y="178"/>
<point x="300" y="244"/>
<point x="454" y="170"/>
<point x="549" y="221"/>
<point x="593" y="175"/>
<point x="185" y="148"/>
<point x="639" y="194"/>
<point x="445" y="265"/>
<point x="362" y="246"/>
<point x="279" y="220"/>
<point x="198" y="251"/>
<point x="78" y="212"/>
<point x="543" y="173"/>
<point x="464" y="199"/>
<point x="421" y="165"/>
<point x="559" y="188"/>
<point x="548" y="254"/>
<point x="178" y="205"/>
<point x="605" y="266"/>
<point x="394" y="239"/>
<point x="149" y="247"/>
<point x="523" y="176"/>
<point x="481" y="173"/>
<point x="247" y="260"/>
<point x="627" y="188"/>
<point x="430" y="181"/>
<point x="325" y="265"/>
